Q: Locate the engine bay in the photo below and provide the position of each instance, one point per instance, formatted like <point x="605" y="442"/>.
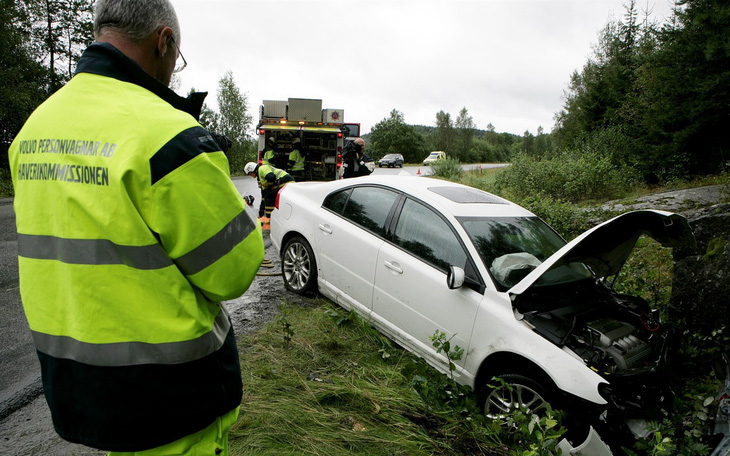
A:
<point x="614" y="334"/>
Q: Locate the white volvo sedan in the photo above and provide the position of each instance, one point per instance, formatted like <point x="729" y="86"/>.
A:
<point x="413" y="255"/>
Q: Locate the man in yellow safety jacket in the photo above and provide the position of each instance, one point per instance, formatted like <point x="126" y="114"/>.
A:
<point x="270" y="180"/>
<point x="130" y="234"/>
<point x="296" y="160"/>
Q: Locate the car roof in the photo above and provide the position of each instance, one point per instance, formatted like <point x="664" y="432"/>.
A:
<point x="456" y="199"/>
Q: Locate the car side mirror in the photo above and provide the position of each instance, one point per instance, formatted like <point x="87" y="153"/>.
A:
<point x="455" y="277"/>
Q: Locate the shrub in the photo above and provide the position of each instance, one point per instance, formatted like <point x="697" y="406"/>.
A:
<point x="240" y="154"/>
<point x="569" y="175"/>
<point x="448" y="169"/>
<point x="566" y="218"/>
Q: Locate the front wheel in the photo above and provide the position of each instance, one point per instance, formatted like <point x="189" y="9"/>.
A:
<point x="517" y="392"/>
<point x="298" y="266"/>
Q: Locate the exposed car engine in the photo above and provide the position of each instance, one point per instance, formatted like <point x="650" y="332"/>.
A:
<point x="613" y="333"/>
<point x="612" y="344"/>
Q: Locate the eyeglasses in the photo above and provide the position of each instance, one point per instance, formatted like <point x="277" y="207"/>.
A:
<point x="179" y="66"/>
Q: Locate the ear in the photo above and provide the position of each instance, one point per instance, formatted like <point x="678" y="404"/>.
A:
<point x="163" y="41"/>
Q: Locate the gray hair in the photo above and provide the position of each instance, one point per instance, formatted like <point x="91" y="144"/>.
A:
<point x="137" y="19"/>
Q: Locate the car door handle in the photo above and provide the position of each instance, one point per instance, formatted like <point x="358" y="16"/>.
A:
<point x="393" y="267"/>
<point x="325" y="228"/>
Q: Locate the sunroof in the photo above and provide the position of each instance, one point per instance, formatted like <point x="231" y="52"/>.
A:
<point x="466" y="195"/>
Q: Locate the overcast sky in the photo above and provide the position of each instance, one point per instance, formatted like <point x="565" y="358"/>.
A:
<point x="507" y="61"/>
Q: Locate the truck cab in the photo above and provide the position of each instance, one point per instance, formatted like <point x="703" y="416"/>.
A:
<point x="319" y="133"/>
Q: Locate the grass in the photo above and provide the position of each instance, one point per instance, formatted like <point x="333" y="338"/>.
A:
<point x="336" y="388"/>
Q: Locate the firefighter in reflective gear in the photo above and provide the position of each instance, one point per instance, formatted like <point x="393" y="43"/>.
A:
<point x="130" y="234"/>
<point x="270" y="180"/>
<point x="269" y="156"/>
<point x="296" y="161"/>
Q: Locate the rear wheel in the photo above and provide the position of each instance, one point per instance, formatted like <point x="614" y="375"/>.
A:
<point x="298" y="266"/>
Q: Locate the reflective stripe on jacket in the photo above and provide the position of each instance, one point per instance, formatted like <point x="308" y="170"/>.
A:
<point x="130" y="233"/>
<point x="296" y="157"/>
<point x="268" y="158"/>
<point x="268" y="175"/>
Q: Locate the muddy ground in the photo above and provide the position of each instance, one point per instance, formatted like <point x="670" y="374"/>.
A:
<point x="29" y="431"/>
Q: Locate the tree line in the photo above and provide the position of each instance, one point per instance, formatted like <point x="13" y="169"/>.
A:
<point x="459" y="138"/>
<point x="653" y="97"/>
<point x="41" y="41"/>
<point x="656" y="97"/>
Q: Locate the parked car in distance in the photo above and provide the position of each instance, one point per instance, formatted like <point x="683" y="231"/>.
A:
<point x="391" y="161"/>
<point x="413" y="255"/>
<point x="433" y="156"/>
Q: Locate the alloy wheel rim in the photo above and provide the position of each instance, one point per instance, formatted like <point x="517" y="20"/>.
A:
<point x="296" y="266"/>
<point x="505" y="400"/>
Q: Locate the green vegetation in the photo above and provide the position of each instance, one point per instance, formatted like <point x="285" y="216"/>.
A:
<point x="448" y="168"/>
<point x="6" y="185"/>
<point x="336" y="387"/>
<point x="569" y="176"/>
<point x="393" y="136"/>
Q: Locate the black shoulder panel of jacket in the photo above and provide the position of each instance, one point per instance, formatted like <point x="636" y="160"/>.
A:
<point x="187" y="145"/>
<point x="106" y="60"/>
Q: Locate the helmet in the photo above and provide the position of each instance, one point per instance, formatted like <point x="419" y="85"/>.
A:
<point x="272" y="140"/>
<point x="296" y="141"/>
<point x="249" y="168"/>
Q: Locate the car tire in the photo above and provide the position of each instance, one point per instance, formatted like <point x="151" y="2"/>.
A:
<point x="298" y="266"/>
<point x="518" y="391"/>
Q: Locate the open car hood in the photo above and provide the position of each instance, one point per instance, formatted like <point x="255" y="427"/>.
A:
<point x="606" y="247"/>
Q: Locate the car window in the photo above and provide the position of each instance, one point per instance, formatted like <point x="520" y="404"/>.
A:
<point x="426" y="235"/>
<point x="369" y="207"/>
<point x="511" y="247"/>
<point x="336" y="201"/>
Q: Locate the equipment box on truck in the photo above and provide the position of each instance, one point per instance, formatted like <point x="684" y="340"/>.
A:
<point x="303" y="124"/>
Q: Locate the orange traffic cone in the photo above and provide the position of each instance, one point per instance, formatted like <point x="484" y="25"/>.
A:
<point x="419" y="171"/>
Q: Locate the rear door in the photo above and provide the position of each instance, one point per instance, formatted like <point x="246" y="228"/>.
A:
<point x="349" y="236"/>
<point x="411" y="299"/>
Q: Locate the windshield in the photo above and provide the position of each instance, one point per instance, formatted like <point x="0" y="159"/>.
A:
<point x="433" y="155"/>
<point x="511" y="247"/>
<point x="390" y="156"/>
